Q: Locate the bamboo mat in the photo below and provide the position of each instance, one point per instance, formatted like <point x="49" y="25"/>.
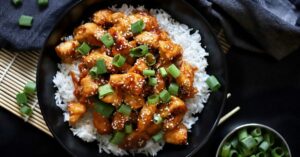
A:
<point x="16" y="69"/>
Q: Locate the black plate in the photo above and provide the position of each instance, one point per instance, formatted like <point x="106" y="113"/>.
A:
<point x="179" y="10"/>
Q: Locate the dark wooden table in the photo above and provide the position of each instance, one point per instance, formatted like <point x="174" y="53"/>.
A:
<point x="267" y="90"/>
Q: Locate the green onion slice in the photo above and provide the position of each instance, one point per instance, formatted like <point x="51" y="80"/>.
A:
<point x="104" y="109"/>
<point x="256" y="132"/>
<point x="128" y="128"/>
<point x="165" y="96"/>
<point x="21" y="98"/>
<point x="125" y="109"/>
<point x="264" y="146"/>
<point x="16" y="2"/>
<point x="173" y="70"/>
<point x="153" y="99"/>
<point x="148" y="72"/>
<point x="42" y="3"/>
<point x="249" y="142"/>
<point x="84" y="48"/>
<point x="30" y="87"/>
<point x="25" y="21"/>
<point x="225" y="151"/>
<point x="242" y="134"/>
<point x="163" y="72"/>
<point x="157" y="119"/>
<point x="25" y="110"/>
<point x="139" y="51"/>
<point x="173" y="89"/>
<point x="101" y="67"/>
<point x="118" y="60"/>
<point x="105" y="90"/>
<point x="277" y="152"/>
<point x="158" y="137"/>
<point x="117" y="138"/>
<point x="150" y="59"/>
<point x="137" y="27"/>
<point x="213" y="83"/>
<point x="152" y="81"/>
<point x="93" y="71"/>
<point x="107" y="40"/>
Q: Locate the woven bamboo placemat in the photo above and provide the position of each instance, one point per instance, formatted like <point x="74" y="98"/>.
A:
<point x="16" y="69"/>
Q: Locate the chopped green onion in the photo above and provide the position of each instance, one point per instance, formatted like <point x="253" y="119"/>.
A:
<point x="105" y="90"/>
<point x="277" y="152"/>
<point x="225" y="151"/>
<point x="21" y="98"/>
<point x="242" y="134"/>
<point x="17" y="2"/>
<point x="84" y="48"/>
<point x="233" y="153"/>
<point x="125" y="109"/>
<point x="26" y="110"/>
<point x="93" y="71"/>
<point x="101" y="67"/>
<point x="259" y="139"/>
<point x="158" y="137"/>
<point x="148" y="72"/>
<point x="153" y="99"/>
<point x="42" y="3"/>
<point x="30" y="88"/>
<point x="157" y="119"/>
<point x="117" y="138"/>
<point x="173" y="89"/>
<point x="107" y="40"/>
<point x="25" y="21"/>
<point x="137" y="27"/>
<point x="139" y="51"/>
<point x="152" y="81"/>
<point x="261" y="154"/>
<point x="234" y="142"/>
<point x="150" y="59"/>
<point x="163" y="72"/>
<point x="249" y="142"/>
<point x="256" y="132"/>
<point x="173" y="70"/>
<point x="264" y="146"/>
<point x="165" y="96"/>
<point x="104" y="109"/>
<point x="213" y="83"/>
<point x="128" y="129"/>
<point x="118" y="60"/>
<point x="270" y="138"/>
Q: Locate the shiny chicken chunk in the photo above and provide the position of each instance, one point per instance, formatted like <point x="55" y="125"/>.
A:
<point x="102" y="124"/>
<point x="177" y="136"/>
<point x="76" y="111"/>
<point x="169" y="50"/>
<point x="129" y="82"/>
<point x="102" y="17"/>
<point x="89" y="86"/>
<point x="186" y="79"/>
<point x="67" y="50"/>
<point x="88" y="32"/>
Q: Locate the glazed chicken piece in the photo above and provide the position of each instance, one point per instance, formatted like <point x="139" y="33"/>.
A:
<point x="89" y="86"/>
<point x="173" y="113"/>
<point x="130" y="82"/>
<point x="102" y="17"/>
<point x="91" y="60"/>
<point x="102" y="124"/>
<point x="176" y="136"/>
<point x="135" y="140"/>
<point x="186" y="79"/>
<point x="169" y="50"/>
<point x="145" y="118"/>
<point x="76" y="110"/>
<point x="66" y="51"/>
<point x="135" y="101"/>
<point x="118" y="121"/>
<point x="154" y="129"/>
<point x="89" y="32"/>
<point x="115" y="98"/>
<point x="139" y="66"/>
<point x="160" y="86"/>
<point x="147" y="38"/>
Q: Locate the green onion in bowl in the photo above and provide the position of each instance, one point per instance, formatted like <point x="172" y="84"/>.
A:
<point x="253" y="140"/>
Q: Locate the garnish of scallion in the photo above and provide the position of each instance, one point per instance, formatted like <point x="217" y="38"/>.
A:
<point x="107" y="40"/>
<point x="173" y="89"/>
<point x="137" y="27"/>
<point x="139" y="51"/>
<point x="165" y="96"/>
<point x="125" y="109"/>
<point x="153" y="99"/>
<point x="148" y="72"/>
<point x="173" y="71"/>
<point x="104" y="109"/>
<point x="25" y="21"/>
<point x="213" y="83"/>
<point x="118" y="60"/>
<point x="84" y="48"/>
<point x="105" y="90"/>
<point x="30" y="87"/>
<point x="158" y="137"/>
<point x="117" y="138"/>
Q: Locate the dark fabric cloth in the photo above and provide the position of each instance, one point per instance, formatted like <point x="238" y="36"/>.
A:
<point x="265" y="26"/>
<point x="45" y="18"/>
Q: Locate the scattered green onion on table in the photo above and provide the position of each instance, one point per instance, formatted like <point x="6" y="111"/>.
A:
<point x="22" y="100"/>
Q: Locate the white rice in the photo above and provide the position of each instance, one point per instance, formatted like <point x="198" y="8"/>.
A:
<point x="193" y="53"/>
